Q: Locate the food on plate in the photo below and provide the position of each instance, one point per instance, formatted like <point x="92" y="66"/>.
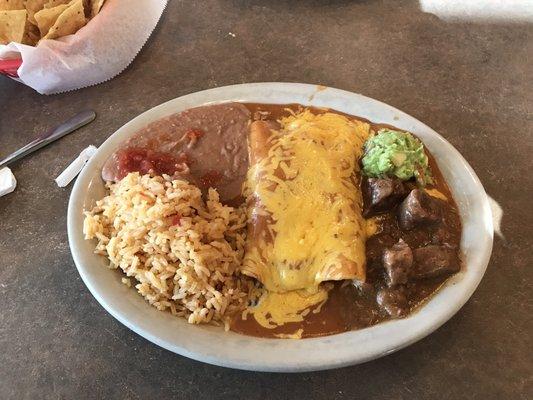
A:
<point x="206" y="146"/>
<point x="277" y="221"/>
<point x="306" y="223"/>
<point x="29" y="21"/>
<point x="393" y="153"/>
<point x="181" y="250"/>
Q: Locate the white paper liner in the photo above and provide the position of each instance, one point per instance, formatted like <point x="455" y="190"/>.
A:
<point x="96" y="53"/>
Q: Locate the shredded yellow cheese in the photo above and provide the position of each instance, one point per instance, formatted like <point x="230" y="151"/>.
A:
<point x="276" y="309"/>
<point x="306" y="192"/>
<point x="437" y="193"/>
<point x="295" y="335"/>
<point x="373" y="226"/>
<point x="308" y="185"/>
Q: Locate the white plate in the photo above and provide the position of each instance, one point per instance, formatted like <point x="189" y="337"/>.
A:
<point x="213" y="345"/>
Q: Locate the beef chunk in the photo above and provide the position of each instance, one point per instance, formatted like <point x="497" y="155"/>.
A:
<point x="364" y="288"/>
<point x="432" y="260"/>
<point x="382" y="194"/>
<point x="418" y="208"/>
<point x="441" y="235"/>
<point x="397" y="261"/>
<point x="393" y="301"/>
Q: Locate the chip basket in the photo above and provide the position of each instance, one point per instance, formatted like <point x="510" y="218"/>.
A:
<point x="10" y="67"/>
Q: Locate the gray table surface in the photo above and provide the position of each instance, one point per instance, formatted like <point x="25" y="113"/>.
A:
<point x="470" y="81"/>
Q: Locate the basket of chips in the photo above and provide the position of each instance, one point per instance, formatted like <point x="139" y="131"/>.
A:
<point x="30" y="21"/>
<point x="59" y="45"/>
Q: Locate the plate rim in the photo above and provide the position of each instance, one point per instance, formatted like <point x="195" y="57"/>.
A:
<point x="262" y="365"/>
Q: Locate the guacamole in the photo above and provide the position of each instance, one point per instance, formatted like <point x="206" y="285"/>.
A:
<point x="394" y="153"/>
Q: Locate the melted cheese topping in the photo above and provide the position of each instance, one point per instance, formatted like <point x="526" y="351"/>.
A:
<point x="307" y="187"/>
<point x="303" y="195"/>
<point x="437" y="193"/>
<point x="373" y="226"/>
<point x="276" y="309"/>
<point x="295" y="335"/>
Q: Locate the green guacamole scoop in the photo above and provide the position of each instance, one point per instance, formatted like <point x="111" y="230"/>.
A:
<point x="392" y="153"/>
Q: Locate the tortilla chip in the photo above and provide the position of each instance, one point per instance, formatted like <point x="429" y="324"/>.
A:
<point x="55" y="3"/>
<point x="6" y="5"/>
<point x="31" y="35"/>
<point x="96" y="5"/>
<point x="47" y="17"/>
<point x="12" y="26"/>
<point x="33" y="6"/>
<point x="72" y="19"/>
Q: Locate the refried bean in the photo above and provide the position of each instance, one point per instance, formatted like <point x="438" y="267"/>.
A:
<point x="205" y="146"/>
